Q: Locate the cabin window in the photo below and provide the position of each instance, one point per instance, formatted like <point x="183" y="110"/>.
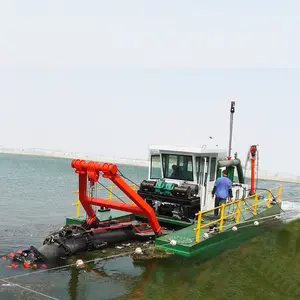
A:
<point x="155" y="167"/>
<point x="178" y="166"/>
<point x="213" y="165"/>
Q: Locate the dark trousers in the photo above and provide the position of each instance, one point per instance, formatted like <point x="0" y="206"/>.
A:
<point x="218" y="202"/>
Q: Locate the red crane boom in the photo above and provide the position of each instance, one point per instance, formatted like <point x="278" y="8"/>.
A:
<point x="90" y="171"/>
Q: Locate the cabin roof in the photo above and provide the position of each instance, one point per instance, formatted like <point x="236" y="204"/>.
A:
<point x="203" y="150"/>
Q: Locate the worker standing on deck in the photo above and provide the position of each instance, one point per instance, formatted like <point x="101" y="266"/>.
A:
<point x="222" y="190"/>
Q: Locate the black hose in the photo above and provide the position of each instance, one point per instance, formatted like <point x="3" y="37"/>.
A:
<point x="263" y="189"/>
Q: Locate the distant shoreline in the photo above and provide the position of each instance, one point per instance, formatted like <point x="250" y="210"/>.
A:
<point x="74" y="155"/>
<point x="126" y="161"/>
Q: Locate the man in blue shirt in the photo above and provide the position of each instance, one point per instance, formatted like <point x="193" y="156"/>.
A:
<point x="222" y="190"/>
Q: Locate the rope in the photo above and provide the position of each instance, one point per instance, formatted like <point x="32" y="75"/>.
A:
<point x="232" y="211"/>
<point x="180" y="240"/>
<point x="121" y="174"/>
<point x="67" y="266"/>
<point x="55" y="268"/>
<point x="111" y="192"/>
<point x="253" y="220"/>
<point x="183" y="241"/>
<point x="28" y="289"/>
<point x="262" y="189"/>
<point x="288" y="198"/>
<point x="251" y="209"/>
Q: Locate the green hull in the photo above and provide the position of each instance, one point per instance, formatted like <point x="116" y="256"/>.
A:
<point x="104" y="216"/>
<point x="219" y="242"/>
<point x="185" y="236"/>
<point x="181" y="236"/>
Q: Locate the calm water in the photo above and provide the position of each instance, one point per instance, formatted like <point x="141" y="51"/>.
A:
<point x="36" y="197"/>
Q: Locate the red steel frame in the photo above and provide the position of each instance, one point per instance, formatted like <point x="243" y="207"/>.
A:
<point x="90" y="171"/>
<point x="253" y="150"/>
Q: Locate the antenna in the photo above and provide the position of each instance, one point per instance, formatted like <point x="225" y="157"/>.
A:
<point x="232" y="110"/>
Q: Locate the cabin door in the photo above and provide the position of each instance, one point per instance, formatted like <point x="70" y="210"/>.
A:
<point x="211" y="179"/>
<point x="202" y="164"/>
<point x="206" y="175"/>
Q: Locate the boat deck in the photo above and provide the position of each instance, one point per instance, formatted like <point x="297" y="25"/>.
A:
<point x="125" y="217"/>
<point x="104" y="216"/>
<point x="185" y="238"/>
<point x="185" y="235"/>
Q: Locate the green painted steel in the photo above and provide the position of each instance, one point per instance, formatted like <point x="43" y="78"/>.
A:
<point x="219" y="173"/>
<point x="184" y="233"/>
<point x="230" y="171"/>
<point x="104" y="216"/>
<point x="164" y="188"/>
<point x="165" y="221"/>
<point x="219" y="242"/>
<point x="74" y="220"/>
<point x="231" y="165"/>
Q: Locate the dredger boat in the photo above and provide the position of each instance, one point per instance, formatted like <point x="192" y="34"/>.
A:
<point x="174" y="207"/>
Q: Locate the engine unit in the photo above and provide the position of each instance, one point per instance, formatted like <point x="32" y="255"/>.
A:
<point x="173" y="200"/>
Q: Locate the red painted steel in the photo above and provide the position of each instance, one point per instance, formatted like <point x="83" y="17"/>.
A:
<point x="90" y="171"/>
<point x="253" y="150"/>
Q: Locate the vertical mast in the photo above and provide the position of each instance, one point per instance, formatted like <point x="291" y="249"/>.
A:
<point x="232" y="110"/>
<point x="253" y="151"/>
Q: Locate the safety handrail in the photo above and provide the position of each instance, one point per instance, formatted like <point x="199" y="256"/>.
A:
<point x="237" y="212"/>
<point x="110" y="196"/>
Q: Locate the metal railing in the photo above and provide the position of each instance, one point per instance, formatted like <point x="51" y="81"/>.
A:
<point x="111" y="195"/>
<point x="235" y="212"/>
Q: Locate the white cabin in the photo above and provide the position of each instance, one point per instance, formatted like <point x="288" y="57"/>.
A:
<point x="195" y="165"/>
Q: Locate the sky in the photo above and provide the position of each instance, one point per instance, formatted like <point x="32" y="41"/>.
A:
<point x="112" y="77"/>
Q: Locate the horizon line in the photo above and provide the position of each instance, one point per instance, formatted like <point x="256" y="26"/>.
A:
<point x="275" y="176"/>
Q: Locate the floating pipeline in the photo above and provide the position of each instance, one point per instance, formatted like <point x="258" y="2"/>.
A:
<point x="31" y="258"/>
<point x="75" y="239"/>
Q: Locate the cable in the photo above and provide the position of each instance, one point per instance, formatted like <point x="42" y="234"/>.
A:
<point x="259" y="189"/>
<point x="154" y="196"/>
<point x="28" y="289"/>
<point x="257" y="168"/>
<point x="111" y="192"/>
<point x="244" y="224"/>
<point x="121" y="174"/>
<point x="264" y="189"/>
<point x="246" y="163"/>
<point x="239" y="225"/>
<point x="253" y="220"/>
<point x="66" y="266"/>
